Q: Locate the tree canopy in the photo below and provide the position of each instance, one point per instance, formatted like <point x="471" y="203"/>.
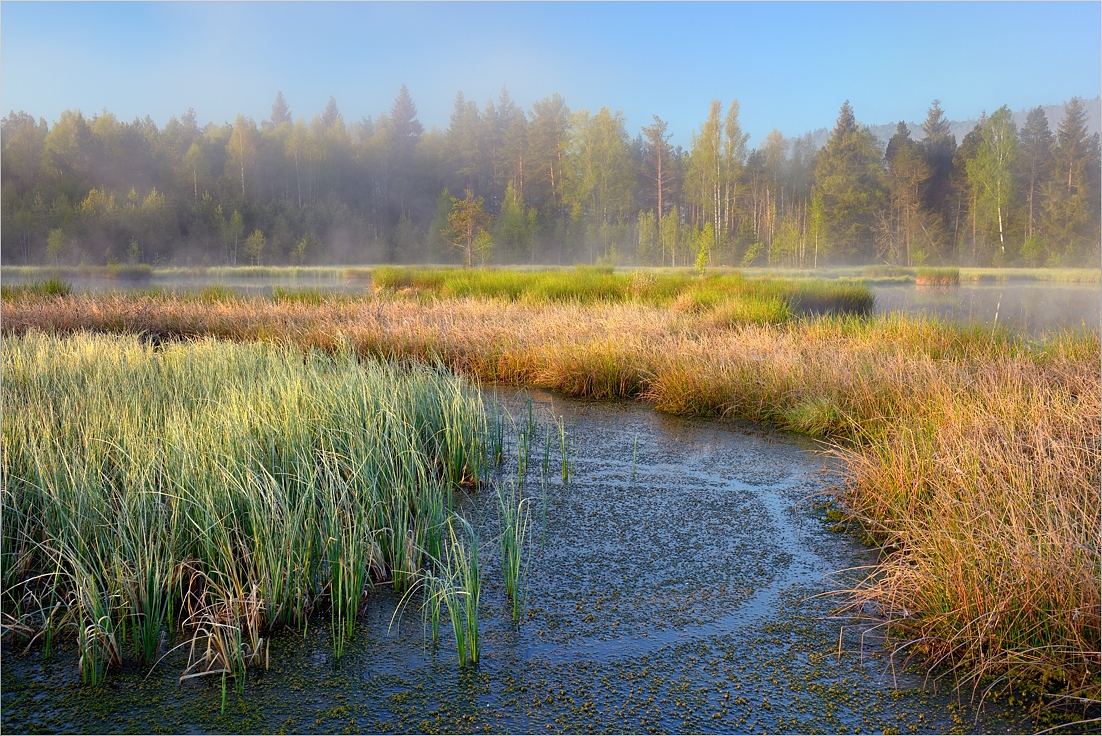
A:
<point x="552" y="186"/>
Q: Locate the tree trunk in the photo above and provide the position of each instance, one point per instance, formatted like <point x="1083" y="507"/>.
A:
<point x="298" y="181"/>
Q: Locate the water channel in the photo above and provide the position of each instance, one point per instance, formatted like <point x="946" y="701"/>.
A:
<point x="675" y="585"/>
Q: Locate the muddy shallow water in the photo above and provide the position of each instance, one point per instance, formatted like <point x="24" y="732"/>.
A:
<point x="672" y="587"/>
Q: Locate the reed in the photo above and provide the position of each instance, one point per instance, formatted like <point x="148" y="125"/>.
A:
<point x="227" y="489"/>
<point x="515" y="519"/>
<point x="53" y="286"/>
<point x="937" y="276"/>
<point x="455" y="585"/>
<point x="685" y="291"/>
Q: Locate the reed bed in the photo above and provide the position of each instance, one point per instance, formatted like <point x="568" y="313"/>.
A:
<point x="216" y="491"/>
<point x="937" y="276"/>
<point x="54" y="286"/>
<point x="663" y="288"/>
<point x="974" y="455"/>
<point x="1002" y="275"/>
<point x="120" y="272"/>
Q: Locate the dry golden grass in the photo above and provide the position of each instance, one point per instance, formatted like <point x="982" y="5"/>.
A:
<point x="974" y="457"/>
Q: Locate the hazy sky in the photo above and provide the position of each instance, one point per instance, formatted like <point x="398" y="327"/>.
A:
<point x="790" y="65"/>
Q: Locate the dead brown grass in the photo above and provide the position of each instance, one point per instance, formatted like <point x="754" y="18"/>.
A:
<point x="974" y="457"/>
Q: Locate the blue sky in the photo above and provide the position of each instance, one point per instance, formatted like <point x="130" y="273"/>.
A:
<point x="790" y="65"/>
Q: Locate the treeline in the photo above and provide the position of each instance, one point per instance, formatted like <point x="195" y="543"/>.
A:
<point x="545" y="185"/>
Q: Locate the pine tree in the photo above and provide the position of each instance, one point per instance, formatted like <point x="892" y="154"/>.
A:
<point x="1072" y="194"/>
<point x="658" y="155"/>
<point x="906" y="180"/>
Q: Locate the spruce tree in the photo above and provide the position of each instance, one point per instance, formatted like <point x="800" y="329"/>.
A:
<point x="850" y="191"/>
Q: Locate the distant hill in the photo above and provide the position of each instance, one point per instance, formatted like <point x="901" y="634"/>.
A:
<point x="961" y="128"/>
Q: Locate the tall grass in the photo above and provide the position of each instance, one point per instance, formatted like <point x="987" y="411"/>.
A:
<point x="515" y="516"/>
<point x="589" y="285"/>
<point x="455" y="585"/>
<point x="219" y="489"/>
<point x="937" y="276"/>
<point x="973" y="454"/>
<point x="53" y="286"/>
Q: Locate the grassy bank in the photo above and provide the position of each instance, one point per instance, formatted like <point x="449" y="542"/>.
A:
<point x="217" y="491"/>
<point x="883" y="274"/>
<point x="899" y="274"/>
<point x="1065" y="275"/>
<point x="973" y="455"/>
<point x="677" y="289"/>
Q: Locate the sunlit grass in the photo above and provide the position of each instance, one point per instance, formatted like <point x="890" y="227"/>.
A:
<point x="54" y="286"/>
<point x="971" y="451"/>
<point x="219" y="490"/>
<point x="587" y="285"/>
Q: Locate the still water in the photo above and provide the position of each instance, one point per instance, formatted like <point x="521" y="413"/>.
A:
<point x="672" y="586"/>
<point x="1031" y="308"/>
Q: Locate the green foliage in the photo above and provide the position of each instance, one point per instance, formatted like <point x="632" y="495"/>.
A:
<point x="564" y="187"/>
<point x="752" y="254"/>
<point x="849" y="184"/>
<point x="512" y="228"/>
<point x="991" y="173"/>
<point x="704" y="240"/>
<point x="467" y="223"/>
<point x="255" y="482"/>
<point x="599" y="174"/>
<point x="254" y="246"/>
<point x="306" y="246"/>
<point x="56" y="246"/>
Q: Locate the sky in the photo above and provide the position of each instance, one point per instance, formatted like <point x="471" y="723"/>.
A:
<point x="789" y="64"/>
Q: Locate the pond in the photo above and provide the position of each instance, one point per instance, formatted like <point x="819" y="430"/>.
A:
<point x="673" y="585"/>
<point x="1032" y="308"/>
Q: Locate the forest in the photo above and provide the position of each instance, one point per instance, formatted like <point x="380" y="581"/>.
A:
<point x="505" y="185"/>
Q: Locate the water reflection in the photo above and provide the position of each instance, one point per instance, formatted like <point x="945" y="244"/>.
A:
<point x="1030" y="308"/>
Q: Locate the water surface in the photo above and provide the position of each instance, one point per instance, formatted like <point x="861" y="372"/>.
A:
<point x="675" y="585"/>
<point x="1033" y="308"/>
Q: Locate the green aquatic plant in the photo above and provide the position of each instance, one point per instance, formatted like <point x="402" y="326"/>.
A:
<point x="456" y="587"/>
<point x="218" y="488"/>
<point x="563" y="450"/>
<point x="514" y="515"/>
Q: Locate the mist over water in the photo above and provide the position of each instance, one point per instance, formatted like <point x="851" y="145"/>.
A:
<point x="1027" y="308"/>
